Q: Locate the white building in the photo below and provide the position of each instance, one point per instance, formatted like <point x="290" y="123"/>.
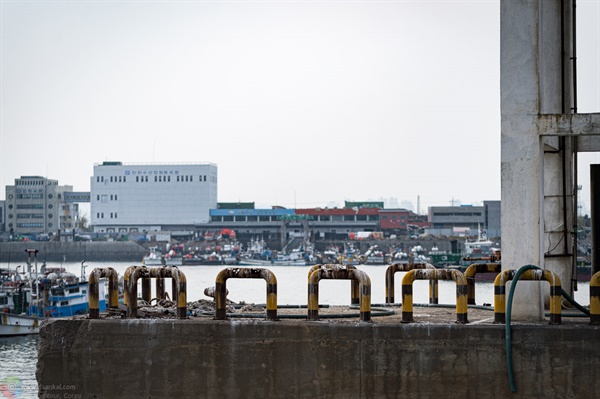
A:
<point x="148" y="197"/>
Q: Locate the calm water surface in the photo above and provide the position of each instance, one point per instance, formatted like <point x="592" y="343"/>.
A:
<point x="18" y="355"/>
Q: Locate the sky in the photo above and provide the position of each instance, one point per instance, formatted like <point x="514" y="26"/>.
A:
<point x="299" y="103"/>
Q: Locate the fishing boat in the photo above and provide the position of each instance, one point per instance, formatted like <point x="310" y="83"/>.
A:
<point x="373" y="256"/>
<point x="28" y="299"/>
<point x="350" y="256"/>
<point x="441" y="258"/>
<point x="481" y="250"/>
<point x="259" y="255"/>
<point x="14" y="324"/>
<point x="228" y="254"/>
<point x="62" y="294"/>
<point x="14" y="301"/>
<point x="155" y="257"/>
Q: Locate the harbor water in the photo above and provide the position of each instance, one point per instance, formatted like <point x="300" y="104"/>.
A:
<point x="18" y="355"/>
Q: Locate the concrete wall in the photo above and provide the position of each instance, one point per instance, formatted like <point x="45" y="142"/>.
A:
<point x="73" y="251"/>
<point x="294" y="359"/>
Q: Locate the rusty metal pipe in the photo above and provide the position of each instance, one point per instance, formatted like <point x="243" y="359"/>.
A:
<point x="160" y="288"/>
<point x="134" y="273"/>
<point x="470" y="273"/>
<point x="179" y="286"/>
<point x="354" y="289"/>
<point x="245" y="272"/>
<point x="339" y="272"/>
<point x="595" y="299"/>
<point x="94" y="290"/>
<point x="405" y="267"/>
<point x="437" y="274"/>
<point x="130" y="285"/>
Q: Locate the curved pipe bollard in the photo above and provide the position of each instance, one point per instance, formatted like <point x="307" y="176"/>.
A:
<point x="130" y="278"/>
<point x="536" y="275"/>
<point x="94" y="295"/>
<point x="354" y="291"/>
<point x="474" y="269"/>
<point x="595" y="299"/>
<point x="126" y="277"/>
<point x="133" y="273"/>
<point x="438" y="274"/>
<point x="339" y="272"/>
<point x="245" y="272"/>
<point x="179" y="284"/>
<point x="406" y="267"/>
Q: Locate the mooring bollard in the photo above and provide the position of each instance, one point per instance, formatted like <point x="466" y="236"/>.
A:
<point x="133" y="273"/>
<point x="354" y="288"/>
<point x="595" y="299"/>
<point x="245" y="272"/>
<point x="474" y="269"/>
<point x="94" y="290"/>
<point x="406" y="267"/>
<point x="535" y="275"/>
<point x="438" y="274"/>
<point x="342" y="272"/>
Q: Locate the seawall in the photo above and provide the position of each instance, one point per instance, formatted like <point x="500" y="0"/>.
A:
<point x="206" y="358"/>
<point x="51" y="251"/>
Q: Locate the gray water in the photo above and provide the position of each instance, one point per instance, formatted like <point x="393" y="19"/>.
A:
<point x="18" y="355"/>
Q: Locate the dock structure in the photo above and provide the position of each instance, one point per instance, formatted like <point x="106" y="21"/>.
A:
<point x="383" y="357"/>
<point x="258" y="358"/>
<point x="541" y="135"/>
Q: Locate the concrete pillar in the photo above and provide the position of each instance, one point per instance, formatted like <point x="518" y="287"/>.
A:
<point x="533" y="182"/>
<point x="595" y="216"/>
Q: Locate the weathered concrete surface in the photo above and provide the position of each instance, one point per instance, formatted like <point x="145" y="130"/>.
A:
<point x="73" y="251"/>
<point x="205" y="358"/>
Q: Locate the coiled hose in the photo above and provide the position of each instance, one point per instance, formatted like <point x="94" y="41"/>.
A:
<point x="508" y="341"/>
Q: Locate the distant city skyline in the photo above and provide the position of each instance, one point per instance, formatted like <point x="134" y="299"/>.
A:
<point x="300" y="104"/>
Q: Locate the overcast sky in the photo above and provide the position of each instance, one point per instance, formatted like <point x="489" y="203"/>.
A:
<point x="300" y="104"/>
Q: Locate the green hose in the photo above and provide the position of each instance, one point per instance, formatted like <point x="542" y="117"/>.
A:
<point x="511" y="377"/>
<point x="511" y="374"/>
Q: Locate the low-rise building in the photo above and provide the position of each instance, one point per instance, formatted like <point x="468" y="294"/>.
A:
<point x="466" y="220"/>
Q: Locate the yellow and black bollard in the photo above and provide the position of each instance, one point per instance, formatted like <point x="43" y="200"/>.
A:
<point x="94" y="293"/>
<point x="434" y="274"/>
<point x="406" y="267"/>
<point x="535" y="275"/>
<point x="474" y="269"/>
<point x="342" y="272"/>
<point x="245" y="272"/>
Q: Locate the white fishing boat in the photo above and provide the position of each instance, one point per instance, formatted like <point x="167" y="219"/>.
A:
<point x="374" y="256"/>
<point x="259" y="255"/>
<point x="14" y="324"/>
<point x="155" y="257"/>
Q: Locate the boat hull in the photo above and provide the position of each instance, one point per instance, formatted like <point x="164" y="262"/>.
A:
<point x="260" y="262"/>
<point x="14" y="325"/>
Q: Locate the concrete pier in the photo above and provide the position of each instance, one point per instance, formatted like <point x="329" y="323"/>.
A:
<point x="241" y="358"/>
